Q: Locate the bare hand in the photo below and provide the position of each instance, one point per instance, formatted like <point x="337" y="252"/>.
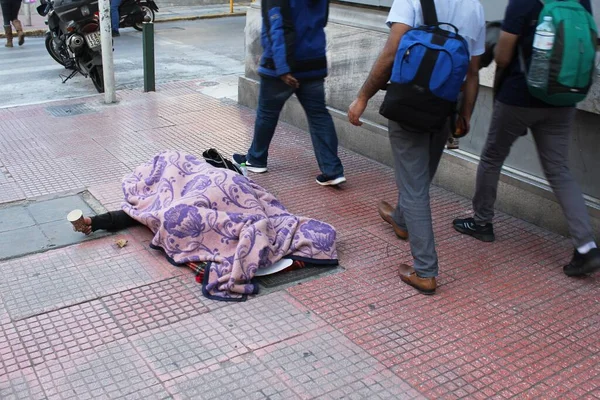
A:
<point x="463" y="125"/>
<point x="290" y="80"/>
<point x="356" y="110"/>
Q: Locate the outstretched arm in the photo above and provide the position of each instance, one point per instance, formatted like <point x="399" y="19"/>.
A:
<point x="379" y="75"/>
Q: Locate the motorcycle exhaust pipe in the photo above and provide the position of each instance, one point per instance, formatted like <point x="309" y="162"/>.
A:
<point x="75" y="43"/>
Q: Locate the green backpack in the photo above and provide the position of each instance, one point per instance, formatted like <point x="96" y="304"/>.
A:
<point x="572" y="61"/>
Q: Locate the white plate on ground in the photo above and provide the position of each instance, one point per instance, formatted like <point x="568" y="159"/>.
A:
<point x="276" y="267"/>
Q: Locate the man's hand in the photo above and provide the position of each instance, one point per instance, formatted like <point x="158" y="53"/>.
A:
<point x="463" y="126"/>
<point x="290" y="80"/>
<point x="356" y="110"/>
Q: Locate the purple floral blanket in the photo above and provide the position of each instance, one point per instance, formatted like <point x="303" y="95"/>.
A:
<point x="199" y="213"/>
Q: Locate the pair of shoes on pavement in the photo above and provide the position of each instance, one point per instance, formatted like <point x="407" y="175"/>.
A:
<point x="407" y="273"/>
<point x="580" y="265"/>
<point x="240" y="160"/>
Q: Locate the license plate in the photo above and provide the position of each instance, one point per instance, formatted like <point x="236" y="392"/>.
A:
<point x="93" y="39"/>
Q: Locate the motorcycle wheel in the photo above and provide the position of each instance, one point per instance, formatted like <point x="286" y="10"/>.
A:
<point x="97" y="77"/>
<point x="54" y="53"/>
<point x="147" y="12"/>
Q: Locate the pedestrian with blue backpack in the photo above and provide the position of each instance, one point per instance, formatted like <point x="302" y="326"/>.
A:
<point x="432" y="52"/>
<point x="294" y="61"/>
<point x="546" y="55"/>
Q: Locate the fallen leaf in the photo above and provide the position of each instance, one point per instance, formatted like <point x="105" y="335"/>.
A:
<point x="121" y="243"/>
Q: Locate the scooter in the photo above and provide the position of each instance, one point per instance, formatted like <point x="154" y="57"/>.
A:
<point x="135" y="12"/>
<point x="73" y="37"/>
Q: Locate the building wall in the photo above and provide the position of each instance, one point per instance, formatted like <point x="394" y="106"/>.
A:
<point x="355" y="38"/>
<point x="494" y="9"/>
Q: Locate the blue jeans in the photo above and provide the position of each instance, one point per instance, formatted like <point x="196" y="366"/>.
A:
<point x="114" y="14"/>
<point x="311" y="94"/>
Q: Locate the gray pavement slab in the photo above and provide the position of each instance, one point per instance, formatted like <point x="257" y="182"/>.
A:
<point x="15" y="218"/>
<point x="22" y="241"/>
<point x="57" y="209"/>
<point x="61" y="233"/>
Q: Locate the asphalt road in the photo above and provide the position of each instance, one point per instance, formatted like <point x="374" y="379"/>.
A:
<point x="211" y="49"/>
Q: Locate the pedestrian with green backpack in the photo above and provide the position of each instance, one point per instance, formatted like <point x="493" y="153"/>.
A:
<point x="547" y="53"/>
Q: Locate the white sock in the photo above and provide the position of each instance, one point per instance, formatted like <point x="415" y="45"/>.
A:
<point x="586" y="248"/>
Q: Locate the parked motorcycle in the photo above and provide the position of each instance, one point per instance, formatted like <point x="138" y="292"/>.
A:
<point x="73" y="37"/>
<point x="134" y="12"/>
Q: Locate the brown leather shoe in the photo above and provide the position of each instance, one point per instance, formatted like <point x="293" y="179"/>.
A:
<point x="385" y="211"/>
<point x="410" y="277"/>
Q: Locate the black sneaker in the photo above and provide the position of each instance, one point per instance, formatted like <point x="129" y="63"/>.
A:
<point x="485" y="233"/>
<point x="239" y="159"/>
<point x="216" y="159"/>
<point x="325" y="180"/>
<point x="115" y="34"/>
<point x="583" y="264"/>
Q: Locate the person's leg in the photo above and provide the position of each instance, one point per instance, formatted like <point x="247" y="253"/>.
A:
<point x="16" y="6"/>
<point x="6" y="6"/>
<point x="311" y="95"/>
<point x="552" y="137"/>
<point x="412" y="158"/>
<point x="507" y="125"/>
<point x="273" y="94"/>
<point x="114" y="15"/>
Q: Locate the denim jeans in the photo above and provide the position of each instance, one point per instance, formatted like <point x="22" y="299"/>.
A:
<point x="114" y="14"/>
<point x="311" y="94"/>
<point x="416" y="159"/>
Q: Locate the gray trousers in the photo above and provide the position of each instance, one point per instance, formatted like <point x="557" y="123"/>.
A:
<point x="416" y="158"/>
<point x="551" y="129"/>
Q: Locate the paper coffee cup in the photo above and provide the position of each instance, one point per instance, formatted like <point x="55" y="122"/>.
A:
<point x="75" y="217"/>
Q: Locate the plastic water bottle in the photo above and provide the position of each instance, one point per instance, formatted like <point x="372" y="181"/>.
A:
<point x="542" y="51"/>
<point x="244" y="169"/>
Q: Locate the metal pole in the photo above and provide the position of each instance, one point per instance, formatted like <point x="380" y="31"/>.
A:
<point x="148" y="50"/>
<point x="27" y="10"/>
<point x="231" y="6"/>
<point x="108" y="66"/>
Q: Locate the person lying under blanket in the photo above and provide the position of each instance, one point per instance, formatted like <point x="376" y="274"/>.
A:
<point x="202" y="213"/>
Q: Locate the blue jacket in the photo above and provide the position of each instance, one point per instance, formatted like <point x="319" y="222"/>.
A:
<point x="293" y="38"/>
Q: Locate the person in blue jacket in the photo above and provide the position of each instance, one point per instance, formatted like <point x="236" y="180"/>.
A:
<point x="294" y="61"/>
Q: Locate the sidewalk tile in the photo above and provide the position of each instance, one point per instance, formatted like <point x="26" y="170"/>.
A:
<point x="21" y="385"/>
<point x="268" y="319"/>
<point x="67" y="331"/>
<point x="157" y="392"/>
<point x="323" y="364"/>
<point x="109" y="194"/>
<point x="122" y="272"/>
<point x="102" y="249"/>
<point x="22" y="241"/>
<point x="57" y="209"/>
<point x="35" y="264"/>
<point x="110" y="371"/>
<point x="13" y="356"/>
<point x="11" y="191"/>
<point x="44" y="291"/>
<point x="14" y="218"/>
<point x="148" y="307"/>
<point x="188" y="346"/>
<point x="244" y="377"/>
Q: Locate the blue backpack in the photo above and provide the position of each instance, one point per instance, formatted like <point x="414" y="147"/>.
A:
<point x="429" y="70"/>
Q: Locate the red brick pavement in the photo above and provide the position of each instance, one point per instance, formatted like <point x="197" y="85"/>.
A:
<point x="97" y="321"/>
